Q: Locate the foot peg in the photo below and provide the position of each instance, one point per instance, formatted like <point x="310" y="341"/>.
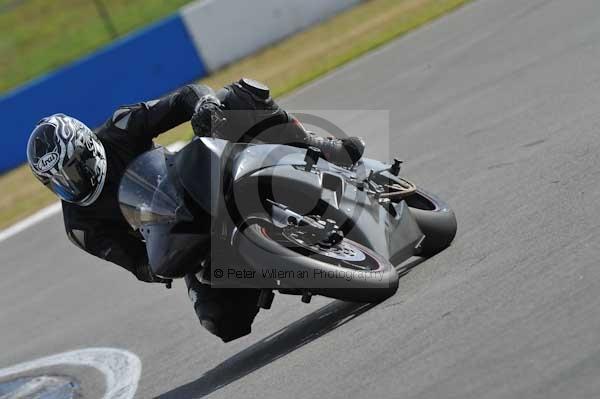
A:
<point x="306" y="297"/>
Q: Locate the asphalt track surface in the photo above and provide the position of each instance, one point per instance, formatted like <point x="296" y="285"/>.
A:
<point x="495" y="107"/>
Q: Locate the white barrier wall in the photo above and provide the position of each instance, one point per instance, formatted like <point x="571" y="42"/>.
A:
<point x="226" y="30"/>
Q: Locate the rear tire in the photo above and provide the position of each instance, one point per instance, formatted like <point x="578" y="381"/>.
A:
<point x="435" y="219"/>
<point x="264" y="244"/>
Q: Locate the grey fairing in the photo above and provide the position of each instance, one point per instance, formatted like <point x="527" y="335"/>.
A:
<point x="277" y="172"/>
<point x="256" y="157"/>
<point x="171" y="253"/>
<point x="392" y="232"/>
<point x="202" y="164"/>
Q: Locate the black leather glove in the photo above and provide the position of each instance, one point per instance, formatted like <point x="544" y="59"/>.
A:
<point x="355" y="146"/>
<point x="342" y="152"/>
<point x="208" y="116"/>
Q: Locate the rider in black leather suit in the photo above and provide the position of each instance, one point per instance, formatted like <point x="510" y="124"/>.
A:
<point x="234" y="112"/>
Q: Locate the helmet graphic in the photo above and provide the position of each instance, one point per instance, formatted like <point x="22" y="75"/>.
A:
<point x="67" y="157"/>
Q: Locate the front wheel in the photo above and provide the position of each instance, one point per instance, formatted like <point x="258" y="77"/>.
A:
<point x="346" y="270"/>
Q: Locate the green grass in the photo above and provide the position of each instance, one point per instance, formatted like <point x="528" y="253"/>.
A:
<point x="38" y="36"/>
<point x="284" y="66"/>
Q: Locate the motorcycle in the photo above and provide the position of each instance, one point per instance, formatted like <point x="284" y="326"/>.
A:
<point x="281" y="218"/>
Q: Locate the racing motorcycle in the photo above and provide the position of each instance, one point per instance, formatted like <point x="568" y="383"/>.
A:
<point x="281" y="218"/>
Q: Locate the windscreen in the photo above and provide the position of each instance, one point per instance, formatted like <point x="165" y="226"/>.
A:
<point x="147" y="194"/>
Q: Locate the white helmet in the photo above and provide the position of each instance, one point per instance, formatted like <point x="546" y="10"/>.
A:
<point x="67" y="157"/>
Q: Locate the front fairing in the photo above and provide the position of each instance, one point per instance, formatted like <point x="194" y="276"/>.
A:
<point x="147" y="193"/>
<point x="233" y="180"/>
<point x="200" y="170"/>
<point x="153" y="202"/>
<point x="208" y="166"/>
<point x="277" y="172"/>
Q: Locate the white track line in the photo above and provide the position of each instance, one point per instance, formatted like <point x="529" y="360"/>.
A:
<point x="121" y="368"/>
<point x="29" y="221"/>
<point x="52" y="210"/>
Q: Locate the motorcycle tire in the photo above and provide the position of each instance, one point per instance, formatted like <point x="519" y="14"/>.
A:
<point x="373" y="277"/>
<point x="435" y="219"/>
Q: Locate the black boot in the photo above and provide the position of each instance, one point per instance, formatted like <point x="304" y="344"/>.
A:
<point x="227" y="313"/>
<point x="342" y="152"/>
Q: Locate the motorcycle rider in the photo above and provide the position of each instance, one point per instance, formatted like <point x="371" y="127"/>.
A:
<point x="84" y="169"/>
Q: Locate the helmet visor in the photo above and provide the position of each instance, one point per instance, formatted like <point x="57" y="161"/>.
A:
<point x="75" y="183"/>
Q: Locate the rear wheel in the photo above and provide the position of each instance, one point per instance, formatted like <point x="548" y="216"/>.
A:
<point x="433" y="216"/>
<point x="435" y="219"/>
<point x="352" y="271"/>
